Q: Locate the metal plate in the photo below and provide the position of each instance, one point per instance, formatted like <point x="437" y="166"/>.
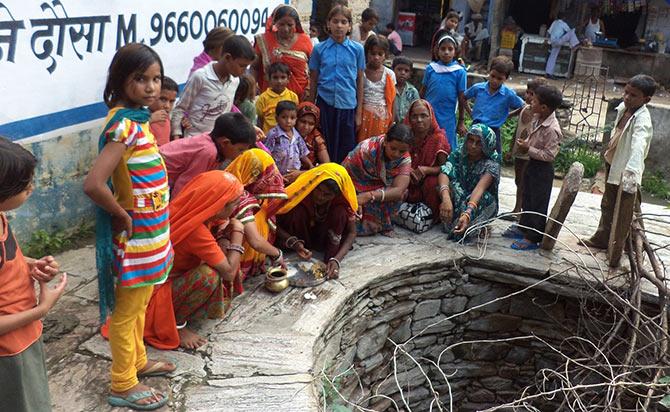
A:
<point x="301" y="275"/>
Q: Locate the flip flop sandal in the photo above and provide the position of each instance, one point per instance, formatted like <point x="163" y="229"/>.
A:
<point x="130" y="401"/>
<point x="525" y="244"/>
<point x="157" y="369"/>
<point x="513" y="232"/>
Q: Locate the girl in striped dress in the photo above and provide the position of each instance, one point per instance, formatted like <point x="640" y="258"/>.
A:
<point x="133" y="250"/>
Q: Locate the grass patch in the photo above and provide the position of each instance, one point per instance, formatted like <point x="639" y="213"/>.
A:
<point x="43" y="243"/>
<point x="655" y="185"/>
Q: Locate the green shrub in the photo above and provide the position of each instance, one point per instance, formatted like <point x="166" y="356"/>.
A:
<point x="578" y="150"/>
<point x="655" y="185"/>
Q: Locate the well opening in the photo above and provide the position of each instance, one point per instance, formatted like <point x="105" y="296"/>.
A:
<point x="483" y="358"/>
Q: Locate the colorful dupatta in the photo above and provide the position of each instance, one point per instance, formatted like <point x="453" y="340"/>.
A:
<point x="424" y="152"/>
<point x="368" y="167"/>
<point x="465" y="175"/>
<point x="104" y="253"/>
<point x="314" y="140"/>
<point x="257" y="171"/>
<point x="310" y="179"/>
<point x="370" y="170"/>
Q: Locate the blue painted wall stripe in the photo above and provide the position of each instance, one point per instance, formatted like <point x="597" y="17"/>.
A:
<point x="52" y="121"/>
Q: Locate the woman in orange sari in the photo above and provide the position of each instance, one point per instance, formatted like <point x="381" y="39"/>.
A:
<point x="284" y="41"/>
<point x="262" y="183"/>
<point x="200" y="283"/>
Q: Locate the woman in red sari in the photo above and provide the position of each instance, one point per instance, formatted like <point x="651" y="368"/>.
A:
<point x="284" y="41"/>
<point x="429" y="152"/>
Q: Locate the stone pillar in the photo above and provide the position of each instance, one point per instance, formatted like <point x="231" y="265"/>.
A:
<point x="566" y="197"/>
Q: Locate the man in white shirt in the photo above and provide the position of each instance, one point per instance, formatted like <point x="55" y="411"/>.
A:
<point x="361" y="32"/>
<point x="560" y="34"/>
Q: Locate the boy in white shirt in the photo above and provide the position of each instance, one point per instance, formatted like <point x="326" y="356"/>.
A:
<point x="626" y="151"/>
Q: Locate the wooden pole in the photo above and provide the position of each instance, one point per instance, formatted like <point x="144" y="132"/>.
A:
<point x="566" y="197"/>
<point x="623" y="216"/>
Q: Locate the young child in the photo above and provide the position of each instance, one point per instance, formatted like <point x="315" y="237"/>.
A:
<point x="245" y="96"/>
<point x="522" y="129"/>
<point x="133" y="231"/>
<point x="213" y="48"/>
<point x="161" y="109"/>
<point x="406" y="93"/>
<point x="443" y="85"/>
<point x="395" y="42"/>
<point x="336" y="83"/>
<point x="625" y="154"/>
<point x="210" y="91"/>
<point x="542" y="147"/>
<point x="308" y="127"/>
<point x="277" y="92"/>
<point x="285" y="144"/>
<point x="378" y="90"/>
<point x="363" y="30"/>
<point x="187" y="158"/>
<point x="23" y="373"/>
<point x="493" y="99"/>
<point x="314" y="32"/>
<point x="450" y="24"/>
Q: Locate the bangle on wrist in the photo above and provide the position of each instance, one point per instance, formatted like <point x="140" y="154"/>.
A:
<point x="279" y="257"/>
<point x="236" y="248"/>
<point x="383" y="195"/>
<point x="240" y="231"/>
<point x="336" y="261"/>
<point x="290" y="242"/>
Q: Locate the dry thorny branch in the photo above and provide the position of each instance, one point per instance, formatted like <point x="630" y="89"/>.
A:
<point x="615" y="361"/>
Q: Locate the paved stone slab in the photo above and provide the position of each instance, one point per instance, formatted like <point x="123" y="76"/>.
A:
<point x="260" y="393"/>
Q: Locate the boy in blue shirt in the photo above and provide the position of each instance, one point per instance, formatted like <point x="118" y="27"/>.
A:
<point x="494" y="100"/>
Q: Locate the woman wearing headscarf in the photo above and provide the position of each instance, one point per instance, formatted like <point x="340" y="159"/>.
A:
<point x="380" y="167"/>
<point x="468" y="182"/>
<point x="307" y="125"/>
<point x="200" y="283"/>
<point x="284" y="41"/>
<point x="429" y="152"/>
<point x="319" y="215"/>
<point x="263" y="184"/>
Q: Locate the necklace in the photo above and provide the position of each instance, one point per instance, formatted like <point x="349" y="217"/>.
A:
<point x="320" y="213"/>
<point x="285" y="42"/>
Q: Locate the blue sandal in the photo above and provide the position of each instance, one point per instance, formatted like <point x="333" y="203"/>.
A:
<point x="513" y="232"/>
<point x="524" y="244"/>
<point x="130" y="401"/>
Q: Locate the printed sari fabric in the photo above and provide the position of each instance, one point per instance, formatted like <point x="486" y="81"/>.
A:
<point x="194" y="289"/>
<point x="370" y="170"/>
<point x="295" y="57"/>
<point x="424" y="153"/>
<point x="322" y="230"/>
<point x="464" y="176"/>
<point x="314" y="141"/>
<point x="263" y="183"/>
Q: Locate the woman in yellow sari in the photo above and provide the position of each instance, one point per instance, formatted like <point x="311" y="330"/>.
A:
<point x="319" y="214"/>
<point x="263" y="183"/>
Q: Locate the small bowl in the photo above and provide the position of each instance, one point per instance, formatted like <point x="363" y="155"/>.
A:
<point x="276" y="280"/>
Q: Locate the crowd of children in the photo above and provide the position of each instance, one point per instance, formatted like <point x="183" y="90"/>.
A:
<point x="171" y="223"/>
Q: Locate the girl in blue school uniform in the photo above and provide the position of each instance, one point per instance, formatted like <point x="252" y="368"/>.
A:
<point x="444" y="84"/>
<point x="336" y="84"/>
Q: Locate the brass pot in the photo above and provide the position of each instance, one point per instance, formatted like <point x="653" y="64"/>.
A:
<point x="276" y="280"/>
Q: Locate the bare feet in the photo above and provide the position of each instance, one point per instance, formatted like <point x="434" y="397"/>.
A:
<point x="157" y="368"/>
<point x="189" y="339"/>
<point x="156" y="396"/>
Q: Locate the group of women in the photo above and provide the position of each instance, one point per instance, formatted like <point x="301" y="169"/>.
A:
<point x="323" y="210"/>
